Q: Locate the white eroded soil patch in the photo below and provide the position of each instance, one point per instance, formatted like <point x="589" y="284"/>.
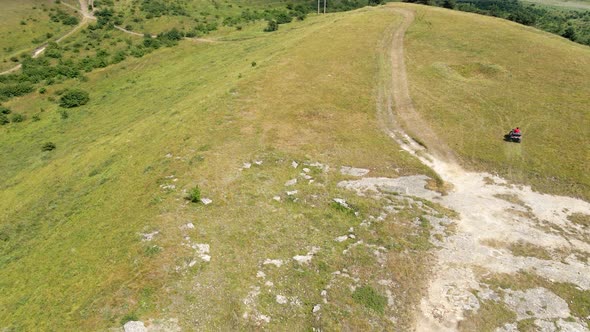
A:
<point x="491" y="211"/>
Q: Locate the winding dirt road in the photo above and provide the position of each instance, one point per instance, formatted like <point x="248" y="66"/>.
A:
<point x="493" y="215"/>
<point x="88" y="16"/>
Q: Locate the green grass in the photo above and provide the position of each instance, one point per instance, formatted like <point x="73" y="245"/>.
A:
<point x="570" y="4"/>
<point x="15" y="38"/>
<point x="71" y="217"/>
<point x="474" y="85"/>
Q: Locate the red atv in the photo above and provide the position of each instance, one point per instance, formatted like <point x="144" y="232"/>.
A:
<point x="513" y="136"/>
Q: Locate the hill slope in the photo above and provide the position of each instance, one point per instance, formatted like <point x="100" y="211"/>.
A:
<point x="155" y="127"/>
<point x="474" y="85"/>
<point x="98" y="231"/>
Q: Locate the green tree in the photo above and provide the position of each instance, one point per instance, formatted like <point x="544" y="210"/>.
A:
<point x="450" y="4"/>
<point x="74" y="98"/>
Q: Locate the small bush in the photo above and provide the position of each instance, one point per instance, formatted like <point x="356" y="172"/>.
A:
<point x="42" y="90"/>
<point x="36" y="118"/>
<point x="272" y="26"/>
<point x="194" y="195"/>
<point x="5" y="110"/>
<point x="369" y="297"/>
<point x="48" y="146"/>
<point x="63" y="114"/>
<point x="4" y="119"/>
<point x="18" y="118"/>
<point x="74" y="98"/>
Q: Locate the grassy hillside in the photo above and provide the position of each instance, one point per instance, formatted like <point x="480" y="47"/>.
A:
<point x="72" y="253"/>
<point x="474" y="85"/>
<point x="25" y="25"/>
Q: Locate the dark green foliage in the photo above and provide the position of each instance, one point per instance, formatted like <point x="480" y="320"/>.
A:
<point x="157" y="8"/>
<point x="36" y="118"/>
<point x="369" y="297"/>
<point x="16" y="117"/>
<point x="14" y="90"/>
<point x="53" y="50"/>
<point x="74" y="98"/>
<point x="194" y="195"/>
<point x="3" y="119"/>
<point x="48" y="146"/>
<point x="450" y="4"/>
<point x="63" y="114"/>
<point x="42" y="90"/>
<point x="376" y="2"/>
<point x="571" y="24"/>
<point x="272" y="26"/>
<point x="569" y="33"/>
<point x="5" y="110"/>
<point x="63" y="17"/>
<point x="283" y="18"/>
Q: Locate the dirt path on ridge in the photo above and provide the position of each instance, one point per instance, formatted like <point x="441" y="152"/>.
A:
<point x="493" y="215"/>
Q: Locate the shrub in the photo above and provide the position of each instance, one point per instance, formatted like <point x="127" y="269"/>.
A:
<point x="70" y="20"/>
<point x="36" y="118"/>
<point x="74" y="98"/>
<point x="63" y="114"/>
<point x="369" y="297"/>
<point x="18" y="118"/>
<point x="272" y="26"/>
<point x="15" y="90"/>
<point x="42" y="90"/>
<point x="5" y="110"/>
<point x="194" y="195"/>
<point x="3" y="119"/>
<point x="48" y="146"/>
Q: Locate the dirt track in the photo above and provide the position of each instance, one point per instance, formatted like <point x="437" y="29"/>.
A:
<point x="493" y="215"/>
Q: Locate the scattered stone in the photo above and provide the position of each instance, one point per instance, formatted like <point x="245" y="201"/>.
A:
<point x="306" y="176"/>
<point x="342" y="202"/>
<point x="264" y="318"/>
<point x="190" y="225"/>
<point x="260" y="274"/>
<point x="536" y="303"/>
<point x="566" y="326"/>
<point x="488" y="294"/>
<point x="269" y="284"/>
<point x="246" y="165"/>
<point x="168" y="186"/>
<point x="305" y="259"/>
<point x="316" y="308"/>
<point x="192" y="263"/>
<point x="508" y="327"/>
<point x="353" y="171"/>
<point x="281" y="299"/>
<point x="202" y="251"/>
<point x="149" y="236"/>
<point x="291" y="182"/>
<point x="292" y="193"/>
<point x="168" y="155"/>
<point x="324" y="168"/>
<point x="275" y="262"/>
<point x="306" y="170"/>
<point x="342" y="238"/>
<point x="294" y="164"/>
<point x="134" y="326"/>
<point x="258" y="162"/>
<point x="544" y="326"/>
<point x="206" y="201"/>
<point x="277" y="198"/>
